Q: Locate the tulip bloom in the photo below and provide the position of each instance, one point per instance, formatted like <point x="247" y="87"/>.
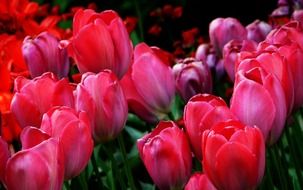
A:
<point x="200" y="113"/>
<point x="222" y="30"/>
<point x="4" y="156"/>
<point x="166" y="155"/>
<point x="257" y="92"/>
<point x="101" y="97"/>
<point x="35" y="97"/>
<point x="192" y="77"/>
<point x="258" y="30"/>
<point x="40" y="167"/>
<point x="199" y="181"/>
<point x="233" y="155"/>
<point x="107" y="44"/>
<point x="148" y="85"/>
<point x="43" y="54"/>
<point x="231" y="53"/>
<point x="73" y="130"/>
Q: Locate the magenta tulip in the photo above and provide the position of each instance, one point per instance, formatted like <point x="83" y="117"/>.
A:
<point x="257" y="92"/>
<point x="101" y="97"/>
<point x="148" y="95"/>
<point x="40" y="167"/>
<point x="258" y="30"/>
<point x="200" y="113"/>
<point x="222" y="30"/>
<point x="43" y="54"/>
<point x="233" y="155"/>
<point x="4" y="156"/>
<point x="166" y="155"/>
<point x="199" y="181"/>
<point x="107" y="44"/>
<point x="74" y="133"/>
<point x="192" y="77"/>
<point x="35" y="97"/>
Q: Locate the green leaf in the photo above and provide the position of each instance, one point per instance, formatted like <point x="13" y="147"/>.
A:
<point x="147" y="186"/>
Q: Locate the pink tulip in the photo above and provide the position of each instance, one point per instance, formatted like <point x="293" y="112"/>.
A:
<point x="258" y="30"/>
<point x="74" y="133"/>
<point x="231" y="52"/>
<point x="40" y="167"/>
<point x="107" y="44"/>
<point x="101" y="97"/>
<point x="4" y="156"/>
<point x="200" y="113"/>
<point x="192" y="77"/>
<point x="148" y="95"/>
<point x="199" y="181"/>
<point x="35" y="97"/>
<point x="166" y="155"/>
<point x="233" y="155"/>
<point x="257" y="92"/>
<point x="222" y="30"/>
<point x="43" y="54"/>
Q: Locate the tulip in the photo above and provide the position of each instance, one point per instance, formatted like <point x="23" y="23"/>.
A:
<point x="73" y="130"/>
<point x="192" y="77"/>
<point x="166" y="155"/>
<point x="107" y="44"/>
<point x="222" y="30"/>
<point x="43" y="54"/>
<point x="102" y="98"/>
<point x="273" y="62"/>
<point x="148" y="95"/>
<point x="233" y="155"/>
<point x="298" y="16"/>
<point x="4" y="156"/>
<point x="258" y="30"/>
<point x="40" y="167"/>
<point x="199" y="181"/>
<point x="231" y="52"/>
<point x="200" y="113"/>
<point x="206" y="53"/>
<point x="35" y="97"/>
<point x="257" y="92"/>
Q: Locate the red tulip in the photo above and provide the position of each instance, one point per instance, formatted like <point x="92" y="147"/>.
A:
<point x="74" y="132"/>
<point x="257" y="92"/>
<point x="43" y="54"/>
<point x="166" y="155"/>
<point x="258" y="30"/>
<point x="37" y="168"/>
<point x="35" y="97"/>
<point x="101" y="97"/>
<point x="148" y="94"/>
<point x="231" y="53"/>
<point x="107" y="44"/>
<point x="199" y="181"/>
<point x="192" y="77"/>
<point x="222" y="30"/>
<point x="4" y="156"/>
<point x="200" y="113"/>
<point x="233" y="155"/>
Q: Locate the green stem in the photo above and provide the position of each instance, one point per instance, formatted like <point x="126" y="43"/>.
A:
<point x="95" y="166"/>
<point x="281" y="179"/>
<point x="82" y="181"/>
<point x="140" y="19"/>
<point x="126" y="165"/>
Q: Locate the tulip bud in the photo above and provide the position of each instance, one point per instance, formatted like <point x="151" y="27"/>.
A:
<point x="257" y="92"/>
<point x="148" y="95"/>
<point x="40" y="167"/>
<point x="101" y="97"/>
<point x="35" y="97"/>
<point x="233" y="155"/>
<point x="107" y="44"/>
<point x="222" y="30"/>
<point x="42" y="54"/>
<point x="192" y="77"/>
<point x="73" y="131"/>
<point x="258" y="30"/>
<point x="199" y="181"/>
<point x="164" y="151"/>
<point x="200" y="113"/>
